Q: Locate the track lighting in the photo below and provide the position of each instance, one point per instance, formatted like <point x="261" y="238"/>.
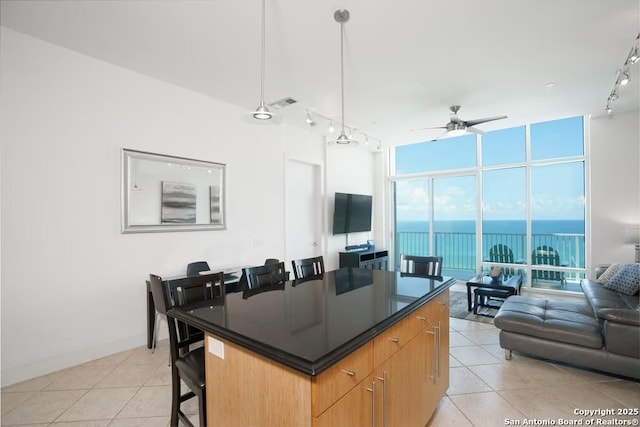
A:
<point x="635" y="55"/>
<point x="623" y="76"/>
<point x="312" y="118"/>
<point x="309" y="120"/>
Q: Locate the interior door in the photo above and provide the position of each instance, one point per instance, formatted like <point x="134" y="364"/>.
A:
<point x="303" y="210"/>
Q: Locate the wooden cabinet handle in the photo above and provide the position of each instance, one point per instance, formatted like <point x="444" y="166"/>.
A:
<point x="421" y="318"/>
<point x="393" y="339"/>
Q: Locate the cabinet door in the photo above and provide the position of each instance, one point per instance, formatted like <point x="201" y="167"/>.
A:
<point x="403" y="386"/>
<point x="356" y="408"/>
<point x="441" y="320"/>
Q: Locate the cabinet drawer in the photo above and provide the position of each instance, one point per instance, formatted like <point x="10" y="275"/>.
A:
<point x="391" y="340"/>
<point x="420" y="318"/>
<point x="336" y="381"/>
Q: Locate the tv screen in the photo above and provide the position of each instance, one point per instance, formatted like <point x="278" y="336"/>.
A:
<point x="352" y="213"/>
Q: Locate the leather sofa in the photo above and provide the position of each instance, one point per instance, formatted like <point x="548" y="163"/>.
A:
<point x="602" y="333"/>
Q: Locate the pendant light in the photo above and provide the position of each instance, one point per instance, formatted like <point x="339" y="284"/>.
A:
<point x="262" y="115"/>
<point x="341" y="16"/>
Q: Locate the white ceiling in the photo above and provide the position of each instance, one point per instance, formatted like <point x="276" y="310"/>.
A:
<point x="405" y="62"/>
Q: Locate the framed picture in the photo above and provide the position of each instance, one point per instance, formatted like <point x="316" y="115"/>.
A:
<point x="178" y="203"/>
<point x="168" y="193"/>
<point x="214" y="200"/>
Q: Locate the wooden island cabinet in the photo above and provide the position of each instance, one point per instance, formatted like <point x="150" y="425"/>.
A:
<point x="392" y="373"/>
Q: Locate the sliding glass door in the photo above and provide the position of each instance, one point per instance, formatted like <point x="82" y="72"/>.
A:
<point x="436" y="216"/>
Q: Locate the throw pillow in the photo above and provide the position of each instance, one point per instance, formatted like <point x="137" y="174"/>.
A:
<point x="609" y="273"/>
<point x="626" y="281"/>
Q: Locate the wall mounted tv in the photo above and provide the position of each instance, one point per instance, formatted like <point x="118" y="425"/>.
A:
<point x="351" y="213"/>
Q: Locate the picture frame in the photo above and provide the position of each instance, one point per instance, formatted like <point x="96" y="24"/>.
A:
<point x="162" y="193"/>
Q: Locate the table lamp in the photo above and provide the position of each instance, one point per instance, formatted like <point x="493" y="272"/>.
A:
<point x="632" y="236"/>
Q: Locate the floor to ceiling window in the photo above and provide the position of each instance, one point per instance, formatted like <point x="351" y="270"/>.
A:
<point x="435" y="213"/>
<point x="519" y="205"/>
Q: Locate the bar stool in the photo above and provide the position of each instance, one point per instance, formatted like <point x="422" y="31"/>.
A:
<point x="483" y="296"/>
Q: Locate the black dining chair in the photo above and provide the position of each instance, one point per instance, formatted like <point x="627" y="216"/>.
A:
<point x="421" y="266"/>
<point x="306" y="267"/>
<point x="269" y="261"/>
<point x="263" y="275"/>
<point x="185" y="342"/>
<point x="194" y="268"/>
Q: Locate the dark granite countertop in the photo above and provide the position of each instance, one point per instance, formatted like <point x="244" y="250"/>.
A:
<point x="310" y="325"/>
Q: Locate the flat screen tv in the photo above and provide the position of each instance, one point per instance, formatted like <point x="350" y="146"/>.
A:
<point x="351" y="213"/>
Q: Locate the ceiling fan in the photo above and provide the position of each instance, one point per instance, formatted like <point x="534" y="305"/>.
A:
<point x="457" y="127"/>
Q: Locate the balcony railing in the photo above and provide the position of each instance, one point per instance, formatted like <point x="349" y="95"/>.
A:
<point x="459" y="249"/>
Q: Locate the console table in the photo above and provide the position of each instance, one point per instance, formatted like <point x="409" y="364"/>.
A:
<point x="378" y="260"/>
<point x="354" y="347"/>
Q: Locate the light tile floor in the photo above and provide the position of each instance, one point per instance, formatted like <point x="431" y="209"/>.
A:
<point x="133" y="389"/>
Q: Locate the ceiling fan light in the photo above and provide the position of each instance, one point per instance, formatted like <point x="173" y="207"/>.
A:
<point x="457" y="132"/>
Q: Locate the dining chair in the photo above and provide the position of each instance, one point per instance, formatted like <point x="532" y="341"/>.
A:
<point x="269" y="261"/>
<point x="306" y="267"/>
<point x="421" y="266"/>
<point x="185" y="342"/>
<point x="194" y="268"/>
<point x="263" y="275"/>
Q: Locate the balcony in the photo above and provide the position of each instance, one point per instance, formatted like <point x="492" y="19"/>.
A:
<point x="458" y="251"/>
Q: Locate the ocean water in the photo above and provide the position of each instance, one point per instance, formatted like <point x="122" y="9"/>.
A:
<point x="455" y="241"/>
<point x="497" y="226"/>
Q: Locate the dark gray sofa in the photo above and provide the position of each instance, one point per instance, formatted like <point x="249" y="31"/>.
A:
<point x="602" y="334"/>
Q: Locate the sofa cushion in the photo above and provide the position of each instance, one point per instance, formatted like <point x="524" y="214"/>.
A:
<point x="567" y="322"/>
<point x="626" y="281"/>
<point x="608" y="273"/>
<point x="600" y="297"/>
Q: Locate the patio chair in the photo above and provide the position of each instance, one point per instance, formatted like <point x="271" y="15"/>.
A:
<point x="501" y="253"/>
<point x="547" y="255"/>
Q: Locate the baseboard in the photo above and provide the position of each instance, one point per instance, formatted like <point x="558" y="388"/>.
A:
<point x="32" y="370"/>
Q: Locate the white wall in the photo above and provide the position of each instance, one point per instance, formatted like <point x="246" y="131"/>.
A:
<point x="615" y="185"/>
<point x="72" y="284"/>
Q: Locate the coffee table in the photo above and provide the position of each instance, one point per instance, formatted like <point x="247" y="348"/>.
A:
<point x="485" y="281"/>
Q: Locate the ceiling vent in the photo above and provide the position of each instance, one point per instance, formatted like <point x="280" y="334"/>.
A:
<point x="284" y="102"/>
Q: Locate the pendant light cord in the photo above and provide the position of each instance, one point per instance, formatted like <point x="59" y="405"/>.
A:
<point x="342" y="69"/>
<point x="262" y="61"/>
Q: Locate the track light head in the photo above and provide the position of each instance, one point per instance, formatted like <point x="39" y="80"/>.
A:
<point x="634" y="56"/>
<point x="309" y="120"/>
<point x="624" y="78"/>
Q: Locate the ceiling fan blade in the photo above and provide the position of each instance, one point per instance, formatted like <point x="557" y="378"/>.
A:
<point x="485" y="120"/>
<point x="438" y="127"/>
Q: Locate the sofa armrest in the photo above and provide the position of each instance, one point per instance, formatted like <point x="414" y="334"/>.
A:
<point x="620" y="315"/>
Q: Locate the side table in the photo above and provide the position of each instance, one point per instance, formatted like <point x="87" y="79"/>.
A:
<point x="485" y="281"/>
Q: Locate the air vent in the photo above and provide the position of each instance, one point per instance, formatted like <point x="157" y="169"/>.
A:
<point x="284" y="102"/>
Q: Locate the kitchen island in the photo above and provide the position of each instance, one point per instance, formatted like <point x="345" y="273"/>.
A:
<point x="352" y="347"/>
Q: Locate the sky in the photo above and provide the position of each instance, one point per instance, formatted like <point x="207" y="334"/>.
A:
<point x="557" y="190"/>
